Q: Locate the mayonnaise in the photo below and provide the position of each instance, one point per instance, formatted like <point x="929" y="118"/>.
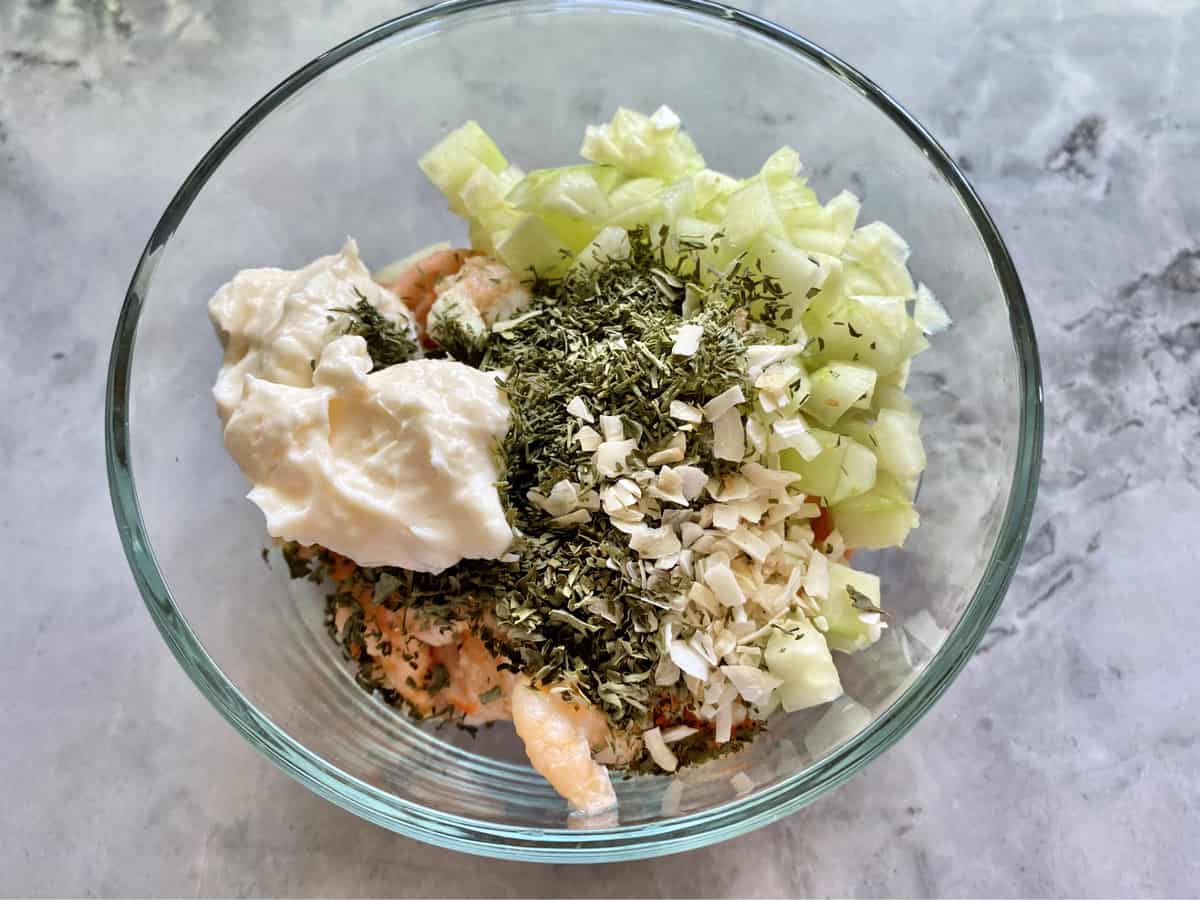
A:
<point x="273" y="323"/>
<point x="390" y="468"/>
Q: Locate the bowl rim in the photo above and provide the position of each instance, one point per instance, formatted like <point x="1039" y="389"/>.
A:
<point x="685" y="832"/>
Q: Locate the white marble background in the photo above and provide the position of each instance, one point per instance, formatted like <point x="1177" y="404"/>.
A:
<point x="1064" y="761"/>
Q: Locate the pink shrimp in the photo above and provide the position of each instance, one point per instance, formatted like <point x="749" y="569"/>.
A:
<point x="490" y="286"/>
<point x="417" y="285"/>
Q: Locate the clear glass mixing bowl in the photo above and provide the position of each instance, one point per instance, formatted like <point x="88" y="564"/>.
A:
<point x="332" y="151"/>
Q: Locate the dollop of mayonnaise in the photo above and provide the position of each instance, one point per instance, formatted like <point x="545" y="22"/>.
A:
<point x="274" y="323"/>
<point x="395" y="467"/>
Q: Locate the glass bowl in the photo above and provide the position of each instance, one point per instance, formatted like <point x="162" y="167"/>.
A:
<point x="332" y="151"/>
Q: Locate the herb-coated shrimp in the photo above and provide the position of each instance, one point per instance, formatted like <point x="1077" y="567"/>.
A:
<point x="474" y="674"/>
<point x="416" y="646"/>
<point x="409" y="664"/>
<point x="563" y="739"/>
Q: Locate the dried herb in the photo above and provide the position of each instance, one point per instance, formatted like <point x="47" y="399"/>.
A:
<point x="387" y="342"/>
<point x="439" y="677"/>
<point x="456" y="340"/>
<point x="861" y="601"/>
<point x="491" y="695"/>
<point x="298" y="565"/>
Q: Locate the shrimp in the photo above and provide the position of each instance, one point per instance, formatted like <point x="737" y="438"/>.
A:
<point x="417" y="646"/>
<point x="410" y="662"/>
<point x="558" y="739"/>
<point x="490" y="287"/>
<point x="474" y="672"/>
<point x="417" y="285"/>
<point x="460" y="277"/>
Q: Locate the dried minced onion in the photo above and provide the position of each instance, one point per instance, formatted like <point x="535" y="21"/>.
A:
<point x="685" y="412"/>
<point x="688" y="660"/>
<point x="612" y="428"/>
<point x="724" y="585"/>
<point x="589" y="438"/>
<point x="687" y="340"/>
<point x="723" y="402"/>
<point x="653" y="543"/>
<point x="729" y="439"/>
<point x="658" y="750"/>
<point x="611" y="456"/>
<point x="760" y="356"/>
<point x="754" y="684"/>
<point x="678" y="733"/>
<point x="578" y="408"/>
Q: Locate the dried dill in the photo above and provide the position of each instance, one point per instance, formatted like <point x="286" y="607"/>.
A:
<point x="298" y="565"/>
<point x="456" y="340"/>
<point x="490" y="695"/>
<point x="439" y="677"/>
<point x="606" y="334"/>
<point x="387" y="342"/>
<point x="862" y="602"/>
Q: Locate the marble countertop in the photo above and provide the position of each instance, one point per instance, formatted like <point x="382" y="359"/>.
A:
<point x="1063" y="762"/>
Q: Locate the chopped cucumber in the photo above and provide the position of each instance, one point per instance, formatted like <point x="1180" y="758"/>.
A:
<point x="878" y="258"/>
<point x="896" y="438"/>
<point x="484" y="192"/>
<point x="715" y="254"/>
<point x="889" y="396"/>
<point x="574" y="234"/>
<point x="847" y="630"/>
<point x="899" y="378"/>
<point x="576" y="192"/>
<point x="636" y="202"/>
<point x="749" y="213"/>
<point x="792" y="268"/>
<point x="858" y="472"/>
<point x="678" y="200"/>
<point x="799" y="654"/>
<point x="843" y="213"/>
<point x="781" y="165"/>
<point x="878" y="518"/>
<point x="874" y="331"/>
<point x="532" y="246"/>
<point x="643" y="145"/>
<point x="610" y="243"/>
<point x="823" y="229"/>
<point x="712" y="193"/>
<point x="844" y="469"/>
<point x="457" y="156"/>
<point x="836" y="388"/>
<point x="858" y="424"/>
<point x="820" y="474"/>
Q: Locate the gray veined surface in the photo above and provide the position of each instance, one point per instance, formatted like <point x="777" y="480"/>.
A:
<point x="1061" y="762"/>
